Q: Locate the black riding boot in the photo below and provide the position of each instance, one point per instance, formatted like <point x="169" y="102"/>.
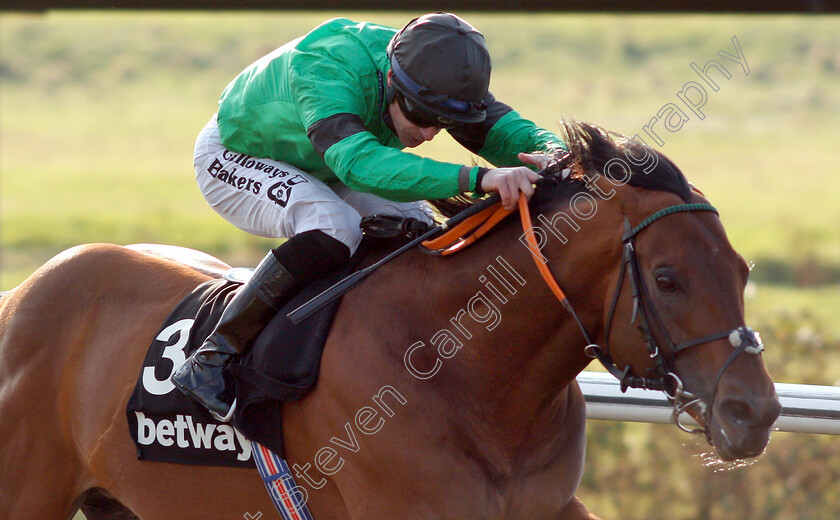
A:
<point x="280" y="276"/>
<point x="242" y="320"/>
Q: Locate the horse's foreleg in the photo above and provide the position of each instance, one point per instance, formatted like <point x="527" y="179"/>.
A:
<point x="575" y="510"/>
<point x="40" y="475"/>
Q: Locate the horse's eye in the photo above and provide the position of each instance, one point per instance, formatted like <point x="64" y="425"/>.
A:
<point x="665" y="283"/>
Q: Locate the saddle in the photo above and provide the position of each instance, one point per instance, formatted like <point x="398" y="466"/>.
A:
<point x="282" y="365"/>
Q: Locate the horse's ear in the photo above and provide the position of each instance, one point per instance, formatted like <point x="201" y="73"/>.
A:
<point x="696" y="190"/>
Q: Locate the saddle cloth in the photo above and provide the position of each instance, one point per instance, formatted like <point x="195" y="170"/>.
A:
<point x="169" y="426"/>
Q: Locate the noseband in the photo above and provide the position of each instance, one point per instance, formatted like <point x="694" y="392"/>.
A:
<point x="743" y="339"/>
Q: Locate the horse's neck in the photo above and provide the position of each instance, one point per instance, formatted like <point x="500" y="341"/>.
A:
<point x="519" y="349"/>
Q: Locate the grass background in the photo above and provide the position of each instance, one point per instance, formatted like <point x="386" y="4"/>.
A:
<point x="99" y="112"/>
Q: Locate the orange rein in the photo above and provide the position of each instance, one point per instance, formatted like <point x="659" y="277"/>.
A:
<point x="456" y="239"/>
<point x="525" y="214"/>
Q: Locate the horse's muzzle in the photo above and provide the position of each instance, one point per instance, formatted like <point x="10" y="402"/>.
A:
<point x="741" y="420"/>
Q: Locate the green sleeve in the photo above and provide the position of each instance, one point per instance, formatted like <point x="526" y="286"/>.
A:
<point x="321" y="87"/>
<point x="513" y="134"/>
<point x="365" y="165"/>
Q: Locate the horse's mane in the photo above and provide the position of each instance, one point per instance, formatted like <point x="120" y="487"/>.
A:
<point x="590" y="149"/>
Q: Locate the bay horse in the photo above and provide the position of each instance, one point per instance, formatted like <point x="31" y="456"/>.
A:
<point x="447" y="386"/>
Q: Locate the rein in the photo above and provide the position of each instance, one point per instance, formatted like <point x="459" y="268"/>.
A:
<point x="743" y="339"/>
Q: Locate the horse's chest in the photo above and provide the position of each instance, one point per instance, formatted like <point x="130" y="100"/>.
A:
<point x="540" y="496"/>
<point x="527" y="499"/>
<point x="462" y="490"/>
<point x="454" y="488"/>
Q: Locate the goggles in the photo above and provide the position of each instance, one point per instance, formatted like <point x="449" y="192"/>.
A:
<point x="421" y="117"/>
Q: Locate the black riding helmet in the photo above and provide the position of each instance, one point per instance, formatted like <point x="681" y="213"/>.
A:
<point x="440" y="71"/>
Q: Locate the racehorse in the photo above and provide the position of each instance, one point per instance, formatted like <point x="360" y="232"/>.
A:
<point x="447" y="385"/>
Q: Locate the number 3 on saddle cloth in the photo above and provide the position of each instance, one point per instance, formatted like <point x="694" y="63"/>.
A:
<point x="169" y="426"/>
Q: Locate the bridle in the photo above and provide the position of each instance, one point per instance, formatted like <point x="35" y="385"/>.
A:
<point x="743" y="339"/>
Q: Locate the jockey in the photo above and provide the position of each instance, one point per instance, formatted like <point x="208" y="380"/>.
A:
<point x="309" y="138"/>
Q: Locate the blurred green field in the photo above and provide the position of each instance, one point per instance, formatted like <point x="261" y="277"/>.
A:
<point x="99" y="112"/>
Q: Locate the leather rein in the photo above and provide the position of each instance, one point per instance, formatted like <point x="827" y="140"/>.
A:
<point x="743" y="339"/>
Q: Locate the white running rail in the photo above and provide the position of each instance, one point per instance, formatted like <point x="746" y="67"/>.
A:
<point x="805" y="408"/>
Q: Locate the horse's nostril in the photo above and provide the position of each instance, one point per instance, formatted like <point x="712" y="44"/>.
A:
<point x="738" y="410"/>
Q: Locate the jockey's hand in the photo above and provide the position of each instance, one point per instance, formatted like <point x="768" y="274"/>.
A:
<point x="540" y="160"/>
<point x="510" y="182"/>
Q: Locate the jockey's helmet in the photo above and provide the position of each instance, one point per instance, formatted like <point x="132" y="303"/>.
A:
<point x="440" y="71"/>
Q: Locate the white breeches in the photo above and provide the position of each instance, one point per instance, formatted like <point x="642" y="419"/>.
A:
<point x="277" y="200"/>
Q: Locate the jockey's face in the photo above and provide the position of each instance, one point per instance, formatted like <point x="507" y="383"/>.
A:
<point x="410" y="134"/>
